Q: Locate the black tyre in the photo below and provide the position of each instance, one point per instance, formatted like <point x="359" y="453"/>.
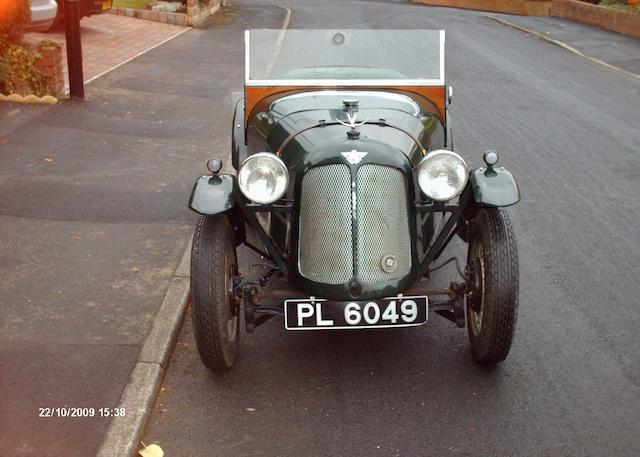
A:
<point x="215" y="314"/>
<point x="492" y="295"/>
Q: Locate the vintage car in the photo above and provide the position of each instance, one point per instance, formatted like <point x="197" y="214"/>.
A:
<point x="349" y="187"/>
<point x="86" y="8"/>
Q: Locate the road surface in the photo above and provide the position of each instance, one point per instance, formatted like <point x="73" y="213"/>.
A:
<point x="568" y="129"/>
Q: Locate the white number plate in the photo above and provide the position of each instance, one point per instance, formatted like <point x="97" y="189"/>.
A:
<point x="308" y="314"/>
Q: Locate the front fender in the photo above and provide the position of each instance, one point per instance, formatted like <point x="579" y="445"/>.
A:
<point x="494" y="187"/>
<point x="213" y="194"/>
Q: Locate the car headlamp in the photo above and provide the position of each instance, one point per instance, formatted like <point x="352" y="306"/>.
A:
<point x="442" y="175"/>
<point x="263" y="178"/>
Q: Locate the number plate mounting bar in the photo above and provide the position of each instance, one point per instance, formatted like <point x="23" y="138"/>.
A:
<point x="256" y="314"/>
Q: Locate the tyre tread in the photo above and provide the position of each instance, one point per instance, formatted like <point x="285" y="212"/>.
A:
<point x="501" y="285"/>
<point x="210" y="239"/>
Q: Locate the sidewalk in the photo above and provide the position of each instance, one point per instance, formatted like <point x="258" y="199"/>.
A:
<point x="612" y="48"/>
<point x="93" y="224"/>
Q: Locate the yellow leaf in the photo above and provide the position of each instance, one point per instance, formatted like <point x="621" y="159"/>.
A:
<point x="153" y="450"/>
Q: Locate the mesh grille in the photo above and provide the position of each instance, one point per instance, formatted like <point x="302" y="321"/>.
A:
<point x="383" y="223"/>
<point x="325" y="244"/>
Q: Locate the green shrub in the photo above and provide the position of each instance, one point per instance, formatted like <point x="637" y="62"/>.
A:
<point x="15" y="16"/>
<point x="19" y="68"/>
<point x="17" y="62"/>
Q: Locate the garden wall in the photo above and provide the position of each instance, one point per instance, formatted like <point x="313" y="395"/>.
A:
<point x="576" y="10"/>
<point x="523" y="7"/>
<point x="197" y="12"/>
<point x="50" y="63"/>
<point x="606" y="18"/>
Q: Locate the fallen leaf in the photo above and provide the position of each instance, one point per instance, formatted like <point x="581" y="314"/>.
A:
<point x="76" y="237"/>
<point x="250" y="409"/>
<point x="153" y="450"/>
<point x="135" y="269"/>
<point x="48" y="159"/>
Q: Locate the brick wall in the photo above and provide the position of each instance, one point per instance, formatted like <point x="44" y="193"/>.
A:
<point x="524" y="7"/>
<point x="197" y="12"/>
<point x="628" y="24"/>
<point x="157" y="16"/>
<point x="51" y="65"/>
<point x="195" y="15"/>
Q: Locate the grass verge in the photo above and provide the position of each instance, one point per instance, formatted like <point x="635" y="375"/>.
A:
<point x="135" y="4"/>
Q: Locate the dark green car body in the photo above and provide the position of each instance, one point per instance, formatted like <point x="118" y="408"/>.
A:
<point x="305" y="131"/>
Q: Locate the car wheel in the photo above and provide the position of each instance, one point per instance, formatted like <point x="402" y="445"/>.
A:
<point x="492" y="289"/>
<point x="215" y="312"/>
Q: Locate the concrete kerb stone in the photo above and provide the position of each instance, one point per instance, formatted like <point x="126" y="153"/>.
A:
<point x="164" y="331"/>
<point x="124" y="433"/>
<point x="183" y="270"/>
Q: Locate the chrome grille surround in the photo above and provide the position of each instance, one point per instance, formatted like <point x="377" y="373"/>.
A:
<point x="325" y="244"/>
<point x="382" y="223"/>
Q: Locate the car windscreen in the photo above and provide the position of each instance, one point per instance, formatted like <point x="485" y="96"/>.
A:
<point x="344" y="57"/>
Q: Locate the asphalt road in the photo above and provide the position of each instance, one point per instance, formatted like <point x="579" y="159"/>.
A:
<point x="568" y="129"/>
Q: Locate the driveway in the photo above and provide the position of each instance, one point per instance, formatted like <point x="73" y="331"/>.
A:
<point x="109" y="40"/>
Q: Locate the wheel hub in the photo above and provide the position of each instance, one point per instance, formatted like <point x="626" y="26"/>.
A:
<point x="231" y="300"/>
<point x="475" y="300"/>
<point x="474" y="295"/>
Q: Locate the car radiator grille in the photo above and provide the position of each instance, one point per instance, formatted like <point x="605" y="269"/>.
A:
<point x="326" y="231"/>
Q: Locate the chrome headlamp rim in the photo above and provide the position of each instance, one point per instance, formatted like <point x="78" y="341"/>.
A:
<point x="276" y="160"/>
<point x="440" y="152"/>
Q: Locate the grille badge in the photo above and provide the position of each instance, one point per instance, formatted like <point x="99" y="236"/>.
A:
<point x="389" y="263"/>
<point x="354" y="157"/>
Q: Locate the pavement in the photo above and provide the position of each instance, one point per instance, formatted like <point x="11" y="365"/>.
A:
<point x="109" y="41"/>
<point x="93" y="225"/>
<point x="612" y="48"/>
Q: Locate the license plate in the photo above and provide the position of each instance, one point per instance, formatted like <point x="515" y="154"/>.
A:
<point x="317" y="314"/>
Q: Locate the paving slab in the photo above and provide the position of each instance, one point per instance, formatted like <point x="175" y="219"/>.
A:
<point x="50" y="376"/>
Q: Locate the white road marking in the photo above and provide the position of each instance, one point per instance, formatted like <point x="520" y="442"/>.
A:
<point x="283" y="31"/>
<point x="99" y="75"/>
